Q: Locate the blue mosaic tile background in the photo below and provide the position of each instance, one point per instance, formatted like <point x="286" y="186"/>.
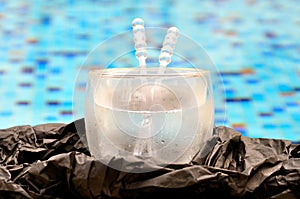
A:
<point x="255" y="45"/>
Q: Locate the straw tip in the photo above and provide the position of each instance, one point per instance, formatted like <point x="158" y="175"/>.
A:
<point x="137" y="21"/>
<point x="173" y="29"/>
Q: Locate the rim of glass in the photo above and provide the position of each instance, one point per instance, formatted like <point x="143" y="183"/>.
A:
<point x="152" y="72"/>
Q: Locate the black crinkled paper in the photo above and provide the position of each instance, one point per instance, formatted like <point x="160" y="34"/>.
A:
<point x="50" y="161"/>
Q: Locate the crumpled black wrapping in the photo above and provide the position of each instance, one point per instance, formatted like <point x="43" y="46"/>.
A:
<point x="50" y="161"/>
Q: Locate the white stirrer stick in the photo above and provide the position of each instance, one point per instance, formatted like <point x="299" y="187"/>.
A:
<point x="167" y="49"/>
<point x="140" y="43"/>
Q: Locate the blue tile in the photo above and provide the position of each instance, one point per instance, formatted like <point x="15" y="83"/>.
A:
<point x="269" y="126"/>
<point x="41" y="76"/>
<point x="67" y="104"/>
<point x="41" y="65"/>
<point x="6" y="113"/>
<point x="55" y="71"/>
<point x="229" y="93"/>
<point x="284" y="88"/>
<point x="286" y="126"/>
<point x="252" y="81"/>
<point x="45" y="20"/>
<point x="278" y="109"/>
<point x="292" y="104"/>
<point x="51" y="118"/>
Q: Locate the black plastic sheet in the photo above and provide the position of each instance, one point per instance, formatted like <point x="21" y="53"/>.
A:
<point x="50" y="161"/>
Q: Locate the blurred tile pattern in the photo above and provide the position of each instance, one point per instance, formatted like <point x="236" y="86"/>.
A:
<point x="255" y="45"/>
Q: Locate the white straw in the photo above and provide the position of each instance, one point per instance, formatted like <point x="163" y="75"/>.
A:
<point x="142" y="144"/>
<point x="167" y="49"/>
<point x="140" y="43"/>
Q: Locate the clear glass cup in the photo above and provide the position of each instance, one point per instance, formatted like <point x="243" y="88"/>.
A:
<point x="165" y="117"/>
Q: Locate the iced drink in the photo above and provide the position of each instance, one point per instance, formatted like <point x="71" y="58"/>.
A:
<point x="167" y="117"/>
